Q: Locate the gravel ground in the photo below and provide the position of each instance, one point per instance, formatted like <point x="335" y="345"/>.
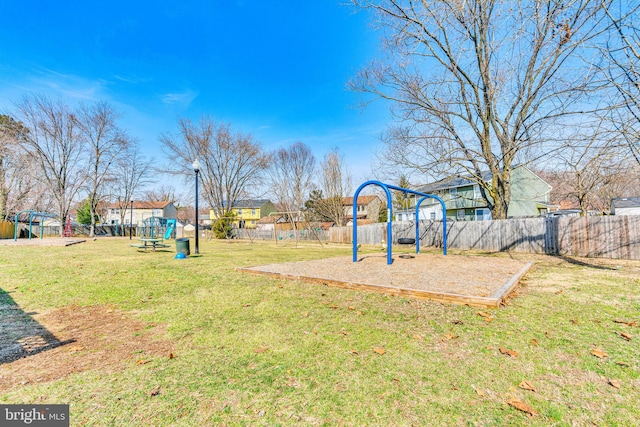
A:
<point x="454" y="274"/>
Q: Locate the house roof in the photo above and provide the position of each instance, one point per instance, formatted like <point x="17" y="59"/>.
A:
<point x="625" y="202"/>
<point x="450" y="182"/>
<point x="459" y="181"/>
<point x="362" y="200"/>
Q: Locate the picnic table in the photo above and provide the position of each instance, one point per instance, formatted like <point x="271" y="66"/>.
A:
<point x="149" y="243"/>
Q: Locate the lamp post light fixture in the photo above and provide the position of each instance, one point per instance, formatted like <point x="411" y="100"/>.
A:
<point x="196" y="169"/>
<point x="131" y="222"/>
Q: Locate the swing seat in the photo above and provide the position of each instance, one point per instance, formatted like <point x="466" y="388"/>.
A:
<point x="406" y="241"/>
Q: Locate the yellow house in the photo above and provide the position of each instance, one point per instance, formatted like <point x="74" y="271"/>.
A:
<point x="247" y="213"/>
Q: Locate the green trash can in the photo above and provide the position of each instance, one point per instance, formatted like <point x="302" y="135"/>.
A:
<point x="182" y="245"/>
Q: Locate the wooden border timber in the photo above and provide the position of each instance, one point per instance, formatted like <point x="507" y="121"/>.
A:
<point x="493" y="301"/>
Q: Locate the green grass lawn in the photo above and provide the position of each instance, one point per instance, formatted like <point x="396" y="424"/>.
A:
<point x="253" y="350"/>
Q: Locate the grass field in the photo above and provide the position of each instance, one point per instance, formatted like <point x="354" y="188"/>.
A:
<point x="252" y="350"/>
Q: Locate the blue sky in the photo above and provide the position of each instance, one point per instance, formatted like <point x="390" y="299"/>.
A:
<point x="275" y="69"/>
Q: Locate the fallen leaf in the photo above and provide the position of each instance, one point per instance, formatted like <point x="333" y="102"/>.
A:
<point x="305" y="314"/>
<point x="379" y="350"/>
<point x="246" y="305"/>
<point x="450" y="336"/>
<point x="574" y="321"/>
<point x="351" y="307"/>
<point x="261" y="350"/>
<point x="626" y="336"/>
<point x="353" y="351"/>
<point x="534" y="342"/>
<point x="333" y="306"/>
<point x="359" y="313"/>
<point x="478" y="391"/>
<point x="599" y="353"/>
<point x="155" y="392"/>
<point x="418" y="337"/>
<point x="508" y="352"/>
<point x="615" y="383"/>
<point x="488" y="319"/>
<point x="483" y="314"/>
<point x="521" y="406"/>
<point x="627" y="322"/>
<point x="142" y="361"/>
<point x="171" y="356"/>
<point x="457" y="322"/>
<point x="526" y="385"/>
<point x="559" y="292"/>
<point x="315" y="331"/>
<point x="625" y="364"/>
<point x="343" y="332"/>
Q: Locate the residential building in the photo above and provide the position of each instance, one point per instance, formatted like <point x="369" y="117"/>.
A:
<point x="625" y="206"/>
<point x="463" y="199"/>
<point x="367" y="209"/>
<point x="142" y="211"/>
<point x="248" y="212"/>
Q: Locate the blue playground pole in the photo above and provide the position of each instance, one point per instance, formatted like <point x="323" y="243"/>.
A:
<point x="386" y="188"/>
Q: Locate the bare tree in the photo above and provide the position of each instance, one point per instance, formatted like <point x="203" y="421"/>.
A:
<point x="480" y="85"/>
<point x="231" y="163"/>
<point x="335" y="185"/>
<point x="105" y="141"/>
<point x="16" y="177"/>
<point x="291" y="175"/>
<point x="55" y="145"/>
<point x="131" y="172"/>
<point x="586" y="167"/>
<point x="621" y="68"/>
<point x="163" y="193"/>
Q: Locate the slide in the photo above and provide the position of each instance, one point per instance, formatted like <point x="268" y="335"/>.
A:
<point x="171" y="224"/>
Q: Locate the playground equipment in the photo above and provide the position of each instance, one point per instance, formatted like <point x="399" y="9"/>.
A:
<point x="386" y="188"/>
<point x="293" y="217"/>
<point x="32" y="214"/>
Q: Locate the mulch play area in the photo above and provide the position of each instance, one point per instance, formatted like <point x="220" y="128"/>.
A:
<point x="473" y="280"/>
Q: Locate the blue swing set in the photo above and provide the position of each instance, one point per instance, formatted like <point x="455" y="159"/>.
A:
<point x="386" y="188"/>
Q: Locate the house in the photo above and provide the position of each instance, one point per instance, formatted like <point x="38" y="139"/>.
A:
<point x="625" y="206"/>
<point x="367" y="209"/>
<point x="530" y="196"/>
<point x="141" y="212"/>
<point x="248" y="212"/>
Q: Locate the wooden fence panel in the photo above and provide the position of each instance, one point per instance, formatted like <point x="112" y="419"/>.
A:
<point x="605" y="237"/>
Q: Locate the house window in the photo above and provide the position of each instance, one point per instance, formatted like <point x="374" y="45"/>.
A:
<point x="460" y="215"/>
<point x="115" y="211"/>
<point x="157" y="212"/>
<point x="253" y="212"/>
<point x="476" y="192"/>
<point x="239" y="211"/>
<point x="361" y="208"/>
<point x="483" y="214"/>
<point x="433" y="216"/>
<point x="453" y="192"/>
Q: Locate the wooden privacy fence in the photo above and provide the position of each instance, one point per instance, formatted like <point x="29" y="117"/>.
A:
<point x="594" y="236"/>
<point x="282" y="235"/>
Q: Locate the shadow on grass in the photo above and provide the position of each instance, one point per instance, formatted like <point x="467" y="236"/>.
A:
<point x="582" y="263"/>
<point x="20" y="334"/>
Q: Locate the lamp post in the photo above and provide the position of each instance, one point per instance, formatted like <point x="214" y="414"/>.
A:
<point x="196" y="169"/>
<point x="131" y="222"/>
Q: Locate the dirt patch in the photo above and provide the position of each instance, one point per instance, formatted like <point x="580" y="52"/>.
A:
<point x="428" y="275"/>
<point x="50" y="346"/>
